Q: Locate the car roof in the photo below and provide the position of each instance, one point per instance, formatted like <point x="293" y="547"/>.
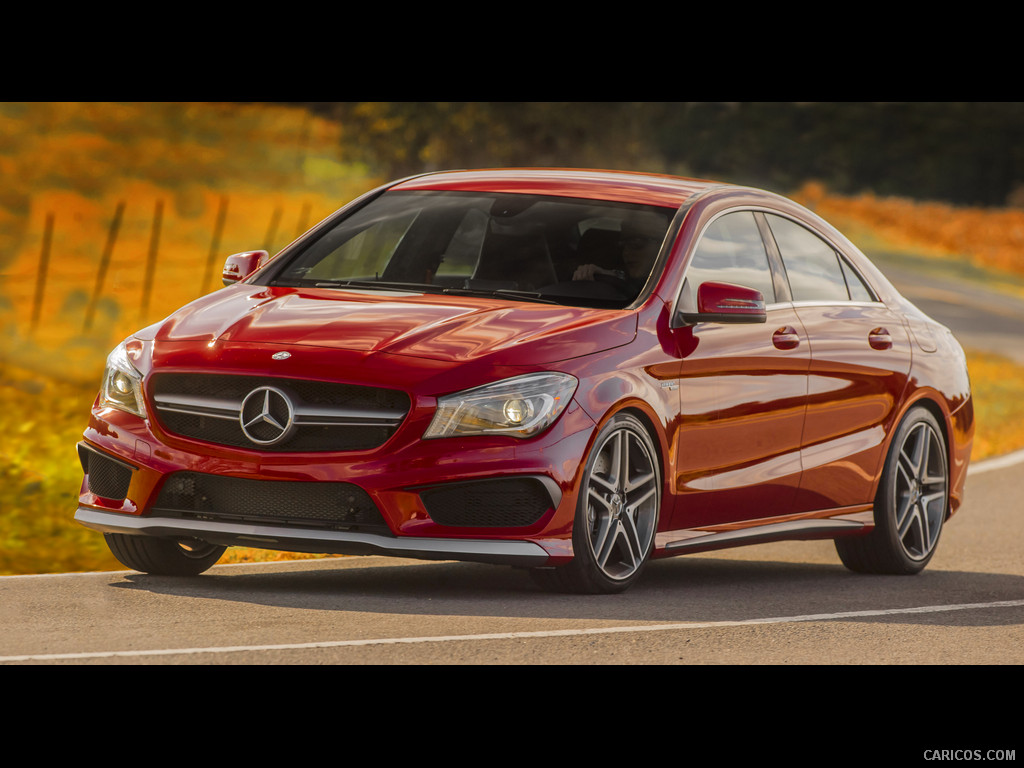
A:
<point x="615" y="186"/>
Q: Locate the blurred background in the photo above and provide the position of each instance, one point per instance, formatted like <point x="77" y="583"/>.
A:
<point x="114" y="214"/>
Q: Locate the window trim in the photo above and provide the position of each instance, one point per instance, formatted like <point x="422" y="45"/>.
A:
<point x="780" y="276"/>
<point x="841" y="259"/>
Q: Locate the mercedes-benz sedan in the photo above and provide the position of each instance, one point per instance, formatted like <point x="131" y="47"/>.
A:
<point x="571" y="372"/>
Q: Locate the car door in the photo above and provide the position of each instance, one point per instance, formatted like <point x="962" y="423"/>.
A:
<point x="743" y="389"/>
<point x="860" y="359"/>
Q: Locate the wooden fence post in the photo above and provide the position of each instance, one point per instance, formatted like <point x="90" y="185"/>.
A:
<point x="101" y="273"/>
<point x="44" y="264"/>
<point x="301" y="227"/>
<point x="154" y="241"/>
<point x="211" y="260"/>
<point x="272" y="230"/>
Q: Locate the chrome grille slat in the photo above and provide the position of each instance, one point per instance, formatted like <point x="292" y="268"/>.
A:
<point x="326" y="416"/>
<point x="199" y="406"/>
<point x="307" y="415"/>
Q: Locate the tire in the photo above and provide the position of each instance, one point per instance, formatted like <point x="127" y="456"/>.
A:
<point x="616" y="513"/>
<point x="911" y="503"/>
<point x="164" y="557"/>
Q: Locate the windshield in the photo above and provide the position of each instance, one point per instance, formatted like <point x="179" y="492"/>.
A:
<point x="568" y="251"/>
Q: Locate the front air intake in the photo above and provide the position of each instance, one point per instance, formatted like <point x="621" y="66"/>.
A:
<point x="512" y="502"/>
<point x="331" y="505"/>
<point x="107" y="477"/>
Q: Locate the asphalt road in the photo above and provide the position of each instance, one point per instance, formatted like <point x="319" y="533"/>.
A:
<point x="981" y="318"/>
<point x="786" y="603"/>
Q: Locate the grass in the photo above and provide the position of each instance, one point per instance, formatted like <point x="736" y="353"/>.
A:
<point x="998" y="392"/>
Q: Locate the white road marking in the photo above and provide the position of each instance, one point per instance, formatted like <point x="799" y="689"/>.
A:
<point x="516" y="635"/>
<point x="1000" y="462"/>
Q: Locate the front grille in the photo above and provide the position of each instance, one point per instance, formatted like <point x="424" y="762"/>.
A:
<point x="107" y="477"/>
<point x="503" y="503"/>
<point x="202" y="496"/>
<point x="274" y="414"/>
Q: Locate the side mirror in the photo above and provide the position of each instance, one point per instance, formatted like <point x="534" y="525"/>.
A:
<point x="240" y="265"/>
<point x="726" y="303"/>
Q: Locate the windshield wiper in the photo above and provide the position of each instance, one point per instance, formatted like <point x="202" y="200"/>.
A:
<point x="500" y="293"/>
<point x="385" y="285"/>
<point x="380" y="284"/>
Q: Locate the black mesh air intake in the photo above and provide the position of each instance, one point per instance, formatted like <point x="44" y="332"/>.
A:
<point x="511" y="502"/>
<point x="342" y="506"/>
<point x="107" y="477"/>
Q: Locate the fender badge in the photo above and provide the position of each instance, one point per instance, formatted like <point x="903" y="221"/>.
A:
<point x="281" y="355"/>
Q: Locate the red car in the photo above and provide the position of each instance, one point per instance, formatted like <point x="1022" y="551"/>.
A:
<point x="571" y="372"/>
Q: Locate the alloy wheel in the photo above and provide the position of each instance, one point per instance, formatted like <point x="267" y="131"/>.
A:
<point x="919" y="491"/>
<point x="623" y="497"/>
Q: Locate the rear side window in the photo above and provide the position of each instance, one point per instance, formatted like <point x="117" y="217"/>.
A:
<point x="859" y="290"/>
<point x="812" y="265"/>
<point x="730" y="251"/>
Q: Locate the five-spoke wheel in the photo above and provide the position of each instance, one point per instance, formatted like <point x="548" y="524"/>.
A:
<point x="617" y="511"/>
<point x="911" y="504"/>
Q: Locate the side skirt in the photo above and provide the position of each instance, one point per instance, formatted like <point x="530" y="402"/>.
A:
<point x="815" y="525"/>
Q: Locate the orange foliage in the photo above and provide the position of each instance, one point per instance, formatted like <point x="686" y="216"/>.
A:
<point x="178" y="246"/>
<point x="988" y="237"/>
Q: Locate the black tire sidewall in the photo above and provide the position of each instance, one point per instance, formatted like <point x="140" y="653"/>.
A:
<point x="885" y="512"/>
<point x="158" y="556"/>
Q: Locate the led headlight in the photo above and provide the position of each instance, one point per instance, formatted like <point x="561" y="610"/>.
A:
<point x="122" y="383"/>
<point x="522" y="407"/>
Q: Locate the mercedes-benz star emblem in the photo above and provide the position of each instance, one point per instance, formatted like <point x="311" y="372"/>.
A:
<point x="267" y="416"/>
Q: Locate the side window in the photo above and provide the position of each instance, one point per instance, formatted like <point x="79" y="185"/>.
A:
<point x="813" y="266"/>
<point x="859" y="290"/>
<point x="731" y="251"/>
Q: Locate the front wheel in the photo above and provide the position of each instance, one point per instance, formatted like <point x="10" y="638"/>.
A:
<point x="164" y="557"/>
<point x="616" y="514"/>
<point x="911" y="504"/>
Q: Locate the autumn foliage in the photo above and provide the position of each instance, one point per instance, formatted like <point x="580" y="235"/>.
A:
<point x="991" y="238"/>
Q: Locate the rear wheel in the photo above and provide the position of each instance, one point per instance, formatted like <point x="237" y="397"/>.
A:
<point x="165" y="557"/>
<point x="911" y="504"/>
<point x="616" y="515"/>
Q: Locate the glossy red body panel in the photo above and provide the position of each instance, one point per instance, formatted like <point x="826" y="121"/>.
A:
<point x="853" y="394"/>
<point x="744" y="401"/>
<point x="755" y="424"/>
<point x="452" y="329"/>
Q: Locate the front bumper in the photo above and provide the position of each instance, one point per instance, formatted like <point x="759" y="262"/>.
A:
<point x="518" y="553"/>
<point x="427" y="499"/>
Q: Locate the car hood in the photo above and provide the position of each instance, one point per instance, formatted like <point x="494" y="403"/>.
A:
<point x="418" y="325"/>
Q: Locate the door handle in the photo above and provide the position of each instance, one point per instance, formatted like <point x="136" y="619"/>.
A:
<point x="786" y="338"/>
<point x="880" y="338"/>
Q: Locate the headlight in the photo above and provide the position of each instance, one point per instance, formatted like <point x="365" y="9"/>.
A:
<point x="520" y="407"/>
<point x="122" y="383"/>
